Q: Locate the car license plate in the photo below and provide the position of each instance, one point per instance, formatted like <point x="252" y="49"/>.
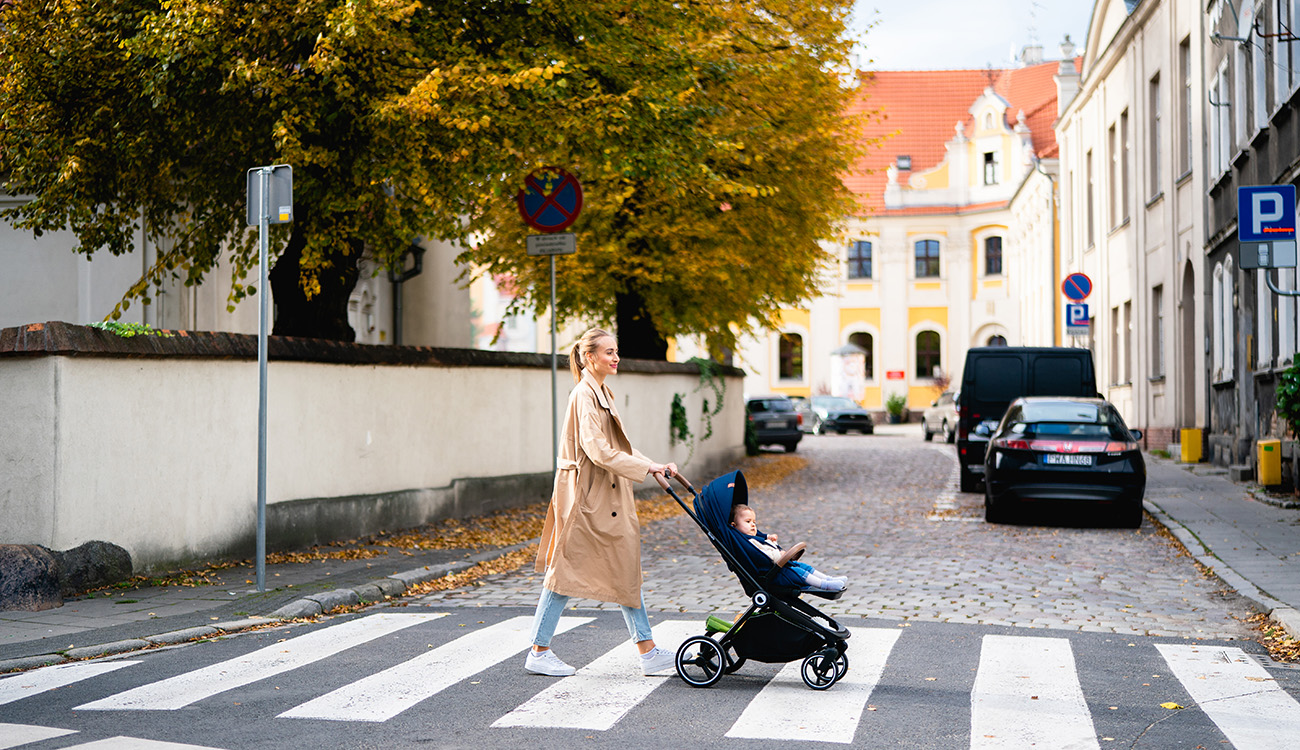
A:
<point x="1068" y="459"/>
<point x="775" y="424"/>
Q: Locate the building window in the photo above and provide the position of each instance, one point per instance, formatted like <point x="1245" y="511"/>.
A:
<point x="1240" y="97"/>
<point x="868" y="345"/>
<point x="1116" y="346"/>
<point x="1153" y="94"/>
<point x="860" y="260"/>
<point x="1223" y="315"/>
<point x="1259" y="76"/>
<point x="1089" y="217"/>
<point x="1158" y="331"/>
<point x="990" y="168"/>
<point x="1185" y="129"/>
<point x="1263" y="324"/>
<point x="1123" y="165"/>
<point x="1220" y="122"/>
<point x="927" y="258"/>
<point x="997" y="340"/>
<point x="993" y="256"/>
<point x="927" y="354"/>
<point x="1127" y="334"/>
<point x="790" y="362"/>
<point x="1216" y="316"/>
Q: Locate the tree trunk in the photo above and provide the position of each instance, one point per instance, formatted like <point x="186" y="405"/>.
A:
<point x="324" y="315"/>
<point x="637" y="336"/>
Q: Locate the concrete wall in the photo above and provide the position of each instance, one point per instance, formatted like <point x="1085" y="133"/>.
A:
<point x="151" y="444"/>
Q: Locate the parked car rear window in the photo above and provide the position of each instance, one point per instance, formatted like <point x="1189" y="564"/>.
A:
<point x="834" y="402"/>
<point x="770" y="404"/>
<point x="1058" y="376"/>
<point x="998" y="379"/>
<point x="1090" y="413"/>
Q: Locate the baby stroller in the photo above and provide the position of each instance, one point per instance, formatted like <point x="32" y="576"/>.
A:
<point x="778" y="627"/>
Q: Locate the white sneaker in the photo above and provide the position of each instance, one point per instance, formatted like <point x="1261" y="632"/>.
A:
<point x="547" y="663"/>
<point x="657" y="660"/>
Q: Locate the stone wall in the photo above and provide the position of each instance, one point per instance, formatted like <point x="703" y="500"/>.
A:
<point x="150" y="443"/>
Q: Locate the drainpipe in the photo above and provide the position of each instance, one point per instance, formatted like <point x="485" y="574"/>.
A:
<point x="398" y="279"/>
<point x="1056" y="272"/>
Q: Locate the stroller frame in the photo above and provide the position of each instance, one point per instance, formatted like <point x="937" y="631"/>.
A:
<point x="774" y="610"/>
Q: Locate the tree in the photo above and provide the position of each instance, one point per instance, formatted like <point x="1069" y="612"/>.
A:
<point x="719" y="247"/>
<point x="400" y="119"/>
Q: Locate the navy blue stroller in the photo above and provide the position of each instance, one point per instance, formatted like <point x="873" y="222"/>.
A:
<point x="778" y="627"/>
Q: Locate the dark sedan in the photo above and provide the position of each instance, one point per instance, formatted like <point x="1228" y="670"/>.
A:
<point x="1050" y="450"/>
<point x="774" y="421"/>
<point x="839" y="414"/>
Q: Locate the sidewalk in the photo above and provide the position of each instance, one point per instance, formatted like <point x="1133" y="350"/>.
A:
<point x="1252" y="546"/>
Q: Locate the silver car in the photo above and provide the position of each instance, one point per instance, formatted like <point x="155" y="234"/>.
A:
<point x="941" y="418"/>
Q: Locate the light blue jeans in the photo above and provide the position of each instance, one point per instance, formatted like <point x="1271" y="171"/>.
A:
<point x="551" y="605"/>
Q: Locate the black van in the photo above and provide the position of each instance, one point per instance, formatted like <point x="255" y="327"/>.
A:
<point x="994" y="376"/>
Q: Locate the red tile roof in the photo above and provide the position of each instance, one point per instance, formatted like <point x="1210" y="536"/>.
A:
<point x="919" y="110"/>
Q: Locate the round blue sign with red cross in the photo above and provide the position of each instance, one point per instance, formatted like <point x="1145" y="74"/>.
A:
<point x="1077" y="286"/>
<point x="551" y="200"/>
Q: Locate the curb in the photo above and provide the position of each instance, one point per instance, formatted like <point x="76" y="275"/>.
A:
<point x="1279" y="612"/>
<point x="312" y="605"/>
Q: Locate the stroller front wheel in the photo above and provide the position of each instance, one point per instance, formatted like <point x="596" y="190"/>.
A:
<point x="701" y="662"/>
<point x="821" y="670"/>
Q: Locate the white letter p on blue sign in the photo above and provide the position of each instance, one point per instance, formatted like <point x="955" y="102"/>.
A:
<point x="1260" y="217"/>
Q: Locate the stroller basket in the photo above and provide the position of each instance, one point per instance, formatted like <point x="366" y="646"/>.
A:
<point x="778" y="626"/>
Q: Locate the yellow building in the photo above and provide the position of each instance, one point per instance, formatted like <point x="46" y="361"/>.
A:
<point x="929" y="267"/>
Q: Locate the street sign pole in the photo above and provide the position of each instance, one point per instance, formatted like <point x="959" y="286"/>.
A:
<point x="263" y="229"/>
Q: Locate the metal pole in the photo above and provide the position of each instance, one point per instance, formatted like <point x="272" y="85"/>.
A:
<point x="262" y="314"/>
<point x="555" y="418"/>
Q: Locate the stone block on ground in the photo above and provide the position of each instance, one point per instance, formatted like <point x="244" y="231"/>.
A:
<point x="92" y="565"/>
<point x="337" y="598"/>
<point x="29" y="578"/>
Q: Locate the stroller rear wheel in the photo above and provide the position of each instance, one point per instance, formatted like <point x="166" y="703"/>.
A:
<point x="823" y="669"/>
<point x="734" y="661"/>
<point x="701" y="661"/>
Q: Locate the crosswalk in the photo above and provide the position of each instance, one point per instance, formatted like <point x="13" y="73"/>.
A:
<point x="1026" y="691"/>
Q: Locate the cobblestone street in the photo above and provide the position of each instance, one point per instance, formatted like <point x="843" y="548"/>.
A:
<point x="884" y="510"/>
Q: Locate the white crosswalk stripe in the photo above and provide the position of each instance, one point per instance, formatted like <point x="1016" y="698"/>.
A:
<point x="1027" y="694"/>
<point x="382" y="696"/>
<point x="787" y="709"/>
<point x="17" y="735"/>
<point x="603" y="691"/>
<point x="50" y="678"/>
<point x="182" y="690"/>
<point x="1238" y="695"/>
<point x="135" y="743"/>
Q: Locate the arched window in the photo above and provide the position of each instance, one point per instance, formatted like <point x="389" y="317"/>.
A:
<point x="927" y="258"/>
<point x="927" y="354"/>
<point x="1229" y="320"/>
<point x="993" y="256"/>
<point x="997" y="340"/>
<point x="1216" y="317"/>
<point x="790" y="360"/>
<point x="860" y="260"/>
<point x="868" y="344"/>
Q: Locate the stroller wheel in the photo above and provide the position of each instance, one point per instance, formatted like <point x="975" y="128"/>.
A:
<point x="841" y="667"/>
<point x="821" y="670"/>
<point x="701" y="661"/>
<point x="734" y="662"/>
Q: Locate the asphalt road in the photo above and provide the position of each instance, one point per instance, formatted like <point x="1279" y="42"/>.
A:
<point x="965" y="635"/>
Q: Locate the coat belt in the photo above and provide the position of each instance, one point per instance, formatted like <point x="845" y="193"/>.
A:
<point x="566" y="464"/>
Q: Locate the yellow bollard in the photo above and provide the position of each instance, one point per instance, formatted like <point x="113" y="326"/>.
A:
<point x="1190" y="442"/>
<point x="1270" y="462"/>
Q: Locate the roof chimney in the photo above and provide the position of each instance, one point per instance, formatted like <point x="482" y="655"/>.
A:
<point x="1031" y="54"/>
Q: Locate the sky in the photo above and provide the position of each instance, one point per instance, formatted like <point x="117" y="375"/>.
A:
<point x="946" y="34"/>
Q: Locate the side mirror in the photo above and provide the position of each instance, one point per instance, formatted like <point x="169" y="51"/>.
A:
<point x="934" y="403"/>
<point x="1137" y="434"/>
<point x="983" y="429"/>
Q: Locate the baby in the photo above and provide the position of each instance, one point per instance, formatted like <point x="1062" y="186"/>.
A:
<point x="745" y="521"/>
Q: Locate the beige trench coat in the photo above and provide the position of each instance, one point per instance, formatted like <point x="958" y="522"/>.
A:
<point x="591" y="543"/>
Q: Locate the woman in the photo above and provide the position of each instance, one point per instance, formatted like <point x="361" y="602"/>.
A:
<point x="591" y="543"/>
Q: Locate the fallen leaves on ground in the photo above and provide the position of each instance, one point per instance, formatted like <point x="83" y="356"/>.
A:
<point x="1280" y="646"/>
<point x="507" y="563"/>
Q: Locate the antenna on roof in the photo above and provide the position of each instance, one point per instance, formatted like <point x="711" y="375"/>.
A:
<point x="1034" y="7"/>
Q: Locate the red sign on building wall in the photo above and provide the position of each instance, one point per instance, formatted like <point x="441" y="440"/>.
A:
<point x="895" y="374"/>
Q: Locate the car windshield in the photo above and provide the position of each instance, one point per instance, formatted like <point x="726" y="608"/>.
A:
<point x="834" y="402"/>
<point x="770" y="404"/>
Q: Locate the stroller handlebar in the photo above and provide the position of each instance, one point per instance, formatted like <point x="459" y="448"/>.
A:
<point x="659" y="477"/>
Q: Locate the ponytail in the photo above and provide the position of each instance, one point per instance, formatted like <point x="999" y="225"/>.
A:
<point x="584" y="346"/>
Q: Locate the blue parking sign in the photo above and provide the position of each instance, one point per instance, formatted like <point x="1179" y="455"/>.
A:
<point x="1266" y="213"/>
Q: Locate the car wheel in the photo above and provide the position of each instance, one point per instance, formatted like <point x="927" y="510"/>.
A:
<point x="1131" y="517"/>
<point x="819" y="428"/>
<point x="995" y="512"/>
<point x="949" y="435"/>
<point x="969" y="482"/>
<point x="926" y="435"/>
<point x="791" y="447"/>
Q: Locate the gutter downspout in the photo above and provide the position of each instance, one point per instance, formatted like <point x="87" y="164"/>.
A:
<point x="1056" y="272"/>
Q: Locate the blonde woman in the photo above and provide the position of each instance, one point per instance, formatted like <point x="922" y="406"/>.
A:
<point x="591" y="543"/>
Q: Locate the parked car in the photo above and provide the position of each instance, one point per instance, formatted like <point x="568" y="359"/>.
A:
<point x="839" y="414"/>
<point x="941" y="418"/>
<point x="803" y="407"/>
<point x="1047" y="451"/>
<point x="994" y="376"/>
<point x="775" y="421"/>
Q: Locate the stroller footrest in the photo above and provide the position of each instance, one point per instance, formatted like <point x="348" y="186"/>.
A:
<point x="716" y="625"/>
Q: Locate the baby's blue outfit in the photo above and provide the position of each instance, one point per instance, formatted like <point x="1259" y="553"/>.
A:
<point x="798" y="568"/>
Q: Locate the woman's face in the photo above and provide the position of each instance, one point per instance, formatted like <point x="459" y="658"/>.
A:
<point x="604" y="361"/>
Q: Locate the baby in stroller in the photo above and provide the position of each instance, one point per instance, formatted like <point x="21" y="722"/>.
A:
<point x="744" y="520"/>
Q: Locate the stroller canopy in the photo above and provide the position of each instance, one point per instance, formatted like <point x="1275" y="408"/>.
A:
<point x="713" y="506"/>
